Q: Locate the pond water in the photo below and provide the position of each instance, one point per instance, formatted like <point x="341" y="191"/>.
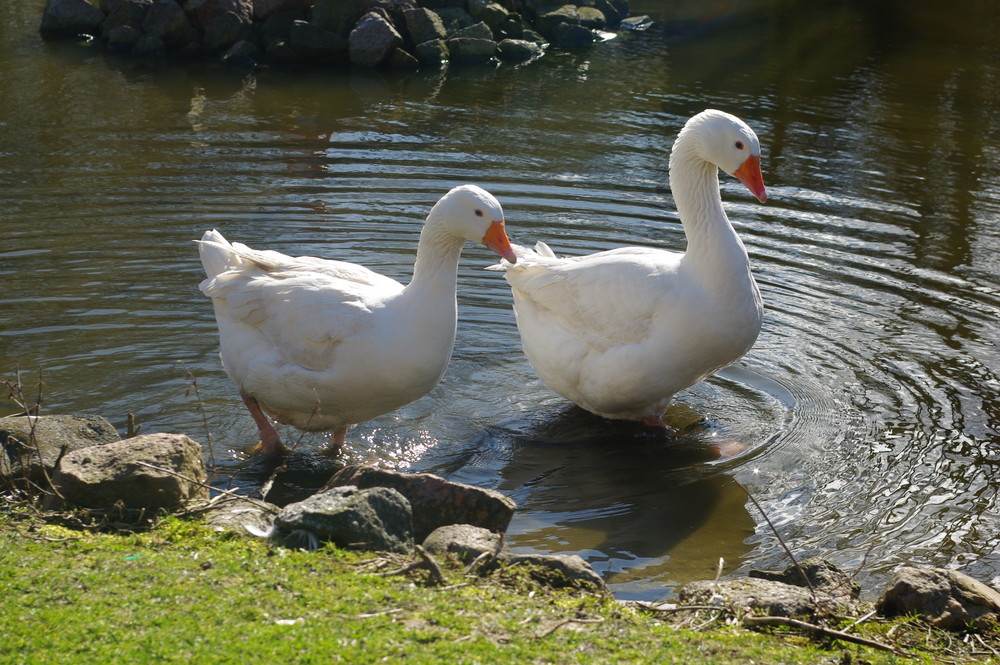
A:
<point x="870" y="404"/>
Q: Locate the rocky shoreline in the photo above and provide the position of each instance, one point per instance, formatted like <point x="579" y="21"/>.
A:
<point x="74" y="462"/>
<point x="399" y="34"/>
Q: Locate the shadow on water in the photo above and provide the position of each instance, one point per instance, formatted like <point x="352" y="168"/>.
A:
<point x="626" y="497"/>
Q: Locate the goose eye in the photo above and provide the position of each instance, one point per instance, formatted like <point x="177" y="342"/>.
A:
<point x="739" y="145"/>
<point x="479" y="213"/>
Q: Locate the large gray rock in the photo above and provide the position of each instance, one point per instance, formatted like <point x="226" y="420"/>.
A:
<point x="378" y="519"/>
<point x="782" y="593"/>
<point x="491" y="13"/>
<point x="592" y="18"/>
<point x="465" y="541"/>
<point x="372" y="40"/>
<point x="71" y="17"/>
<point x="945" y="598"/>
<point x="518" y="50"/>
<point x="432" y="52"/>
<point x="471" y="50"/>
<point x="148" y="472"/>
<point x="423" y="25"/>
<point x="436" y="502"/>
<point x="475" y="31"/>
<point x="453" y="18"/>
<point x="29" y="447"/>
<point x="547" y="22"/>
<point x="556" y="570"/>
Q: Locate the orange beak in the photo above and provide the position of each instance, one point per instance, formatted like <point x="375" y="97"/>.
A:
<point x="749" y="174"/>
<point x="496" y="239"/>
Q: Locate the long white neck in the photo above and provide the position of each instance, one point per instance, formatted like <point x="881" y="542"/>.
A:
<point x="436" y="266"/>
<point x="713" y="246"/>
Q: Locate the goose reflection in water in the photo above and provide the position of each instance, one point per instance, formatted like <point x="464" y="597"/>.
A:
<point x="646" y="510"/>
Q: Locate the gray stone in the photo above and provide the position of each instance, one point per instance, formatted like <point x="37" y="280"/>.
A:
<point x="557" y="570"/>
<point x="436" y="502"/>
<point x="225" y="30"/>
<point x="432" y="52"/>
<point x="372" y="40"/>
<point x="547" y="22"/>
<point x="149" y="472"/>
<point x="782" y="593"/>
<point x="465" y="541"/>
<point x="591" y="18"/>
<point x="945" y="598"/>
<point x="454" y="18"/>
<point x="423" y="25"/>
<point x="466" y="50"/>
<point x="491" y="13"/>
<point x="518" y="50"/>
<point x="377" y="518"/>
<point x="567" y="35"/>
<point x="475" y="31"/>
<point x="29" y="447"/>
<point x="636" y="23"/>
<point x="612" y="12"/>
<point x="818" y="571"/>
<point x="314" y="42"/>
<point x="71" y="17"/>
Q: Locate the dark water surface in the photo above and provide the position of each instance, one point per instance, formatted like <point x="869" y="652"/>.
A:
<point x="869" y="406"/>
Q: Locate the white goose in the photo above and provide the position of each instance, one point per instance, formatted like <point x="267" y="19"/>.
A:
<point x="321" y="344"/>
<point x="620" y="332"/>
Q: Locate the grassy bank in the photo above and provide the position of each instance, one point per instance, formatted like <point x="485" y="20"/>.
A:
<point x="183" y="593"/>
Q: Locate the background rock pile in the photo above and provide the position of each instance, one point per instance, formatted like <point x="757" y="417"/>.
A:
<point x="369" y="33"/>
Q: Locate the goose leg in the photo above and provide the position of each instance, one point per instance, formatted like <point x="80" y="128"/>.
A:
<point x="654" y="421"/>
<point x="339" y="436"/>
<point x="270" y="443"/>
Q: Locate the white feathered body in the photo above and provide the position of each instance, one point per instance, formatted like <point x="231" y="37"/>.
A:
<point x="317" y="341"/>
<point x="620" y="332"/>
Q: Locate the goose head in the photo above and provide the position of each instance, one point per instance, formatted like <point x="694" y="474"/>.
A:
<point x="730" y="144"/>
<point x="471" y="213"/>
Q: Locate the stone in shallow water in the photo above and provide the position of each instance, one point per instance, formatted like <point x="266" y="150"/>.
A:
<point x="71" y="17"/>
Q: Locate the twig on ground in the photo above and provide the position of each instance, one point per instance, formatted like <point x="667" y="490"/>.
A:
<point x="566" y="622"/>
<point x="751" y="621"/>
<point x="426" y="561"/>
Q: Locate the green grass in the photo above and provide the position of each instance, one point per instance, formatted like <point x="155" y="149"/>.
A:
<point x="182" y="593"/>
